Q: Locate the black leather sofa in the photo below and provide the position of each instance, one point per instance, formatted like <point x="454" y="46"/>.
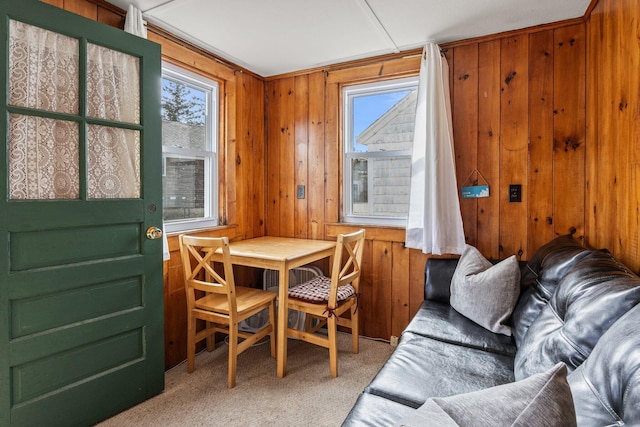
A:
<point x="578" y="306"/>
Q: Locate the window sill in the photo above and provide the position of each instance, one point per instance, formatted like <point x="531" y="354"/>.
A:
<point x="372" y="232"/>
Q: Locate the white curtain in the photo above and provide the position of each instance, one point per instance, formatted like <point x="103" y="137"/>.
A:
<point x="133" y="22"/>
<point x="435" y="222"/>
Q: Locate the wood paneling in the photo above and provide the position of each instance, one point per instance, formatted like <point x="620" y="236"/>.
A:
<point x="250" y="184"/>
<point x="301" y="162"/>
<point x="613" y="129"/>
<point x="514" y="134"/>
<point x="505" y="93"/>
<point x="109" y="17"/>
<point x="381" y="284"/>
<point x="57" y="3"/>
<point x="273" y="159"/>
<point x="464" y="112"/>
<point x="569" y="129"/>
<point x="540" y="183"/>
<point x="315" y="156"/>
<point x="489" y="146"/>
<point x="286" y="159"/>
<point x="82" y="7"/>
<point x="400" y="291"/>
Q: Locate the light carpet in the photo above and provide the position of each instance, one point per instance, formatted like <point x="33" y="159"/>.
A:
<point x="307" y="395"/>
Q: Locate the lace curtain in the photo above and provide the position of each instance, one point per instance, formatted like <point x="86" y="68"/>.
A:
<point x="113" y="93"/>
<point x="44" y="151"/>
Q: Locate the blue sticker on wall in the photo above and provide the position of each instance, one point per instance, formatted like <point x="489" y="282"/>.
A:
<point x="474" y="191"/>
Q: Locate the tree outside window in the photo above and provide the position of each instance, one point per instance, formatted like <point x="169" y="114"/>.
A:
<point x="189" y="140"/>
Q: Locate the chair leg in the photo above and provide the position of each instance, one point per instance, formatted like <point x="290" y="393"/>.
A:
<point x="355" y="329"/>
<point x="272" y="320"/>
<point x="233" y="354"/>
<point x="191" y="344"/>
<point x="211" y="342"/>
<point x="332" y="327"/>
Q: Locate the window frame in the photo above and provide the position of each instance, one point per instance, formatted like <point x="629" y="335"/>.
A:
<point x="349" y="92"/>
<point x="212" y="122"/>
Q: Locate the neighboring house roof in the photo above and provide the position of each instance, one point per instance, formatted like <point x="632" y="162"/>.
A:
<point x="183" y="135"/>
<point x="394" y="129"/>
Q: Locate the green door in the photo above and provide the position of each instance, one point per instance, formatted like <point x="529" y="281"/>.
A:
<point x="81" y="286"/>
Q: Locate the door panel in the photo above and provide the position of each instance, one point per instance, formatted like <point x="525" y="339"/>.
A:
<point x="81" y="291"/>
<point x="59" y="247"/>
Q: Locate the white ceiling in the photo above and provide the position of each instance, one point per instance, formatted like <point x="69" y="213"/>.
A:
<point x="271" y="37"/>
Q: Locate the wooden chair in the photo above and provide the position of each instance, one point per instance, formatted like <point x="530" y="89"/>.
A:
<point x="327" y="299"/>
<point x="219" y="302"/>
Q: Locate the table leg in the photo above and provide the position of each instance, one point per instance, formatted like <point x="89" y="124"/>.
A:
<point x="283" y="321"/>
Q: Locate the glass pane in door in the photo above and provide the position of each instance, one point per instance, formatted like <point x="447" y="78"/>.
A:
<point x="113" y="153"/>
<point x="113" y="85"/>
<point x="43" y="158"/>
<point x="113" y="162"/>
<point x="43" y="69"/>
<point x="43" y="75"/>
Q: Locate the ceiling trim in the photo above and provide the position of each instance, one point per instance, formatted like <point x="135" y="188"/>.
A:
<point x="526" y="30"/>
<point x="159" y="6"/>
<point x="366" y="7"/>
<point x="592" y="5"/>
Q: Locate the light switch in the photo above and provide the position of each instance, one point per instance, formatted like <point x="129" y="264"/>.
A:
<point x="300" y="192"/>
<point x="515" y="193"/>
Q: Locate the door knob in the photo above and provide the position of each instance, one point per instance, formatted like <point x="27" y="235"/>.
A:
<point x="154" y="233"/>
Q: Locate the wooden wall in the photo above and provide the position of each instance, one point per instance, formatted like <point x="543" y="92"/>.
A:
<point x="613" y="131"/>
<point x="519" y="118"/>
<point x="518" y="104"/>
<point x="91" y="10"/>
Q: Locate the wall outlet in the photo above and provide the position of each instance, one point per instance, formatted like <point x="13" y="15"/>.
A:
<point x="393" y="341"/>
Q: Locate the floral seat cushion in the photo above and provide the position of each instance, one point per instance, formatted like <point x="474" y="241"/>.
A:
<point x="317" y="290"/>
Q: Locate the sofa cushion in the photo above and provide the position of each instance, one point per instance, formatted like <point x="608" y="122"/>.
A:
<point x="441" y="322"/>
<point x="421" y="368"/>
<point x="486" y="293"/>
<point x="375" y="411"/>
<point x="540" y="278"/>
<point x="606" y="387"/>
<point x="593" y="294"/>
<point x="540" y="400"/>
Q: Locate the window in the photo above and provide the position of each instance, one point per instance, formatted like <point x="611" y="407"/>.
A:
<point x="189" y="150"/>
<point x="378" y="139"/>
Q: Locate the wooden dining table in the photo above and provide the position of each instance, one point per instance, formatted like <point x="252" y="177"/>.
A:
<point x="281" y="254"/>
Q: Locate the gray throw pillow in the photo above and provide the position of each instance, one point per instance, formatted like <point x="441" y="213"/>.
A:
<point x="542" y="400"/>
<point x="485" y="293"/>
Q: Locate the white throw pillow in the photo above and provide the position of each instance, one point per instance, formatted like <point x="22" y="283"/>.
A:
<point x="486" y="293"/>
